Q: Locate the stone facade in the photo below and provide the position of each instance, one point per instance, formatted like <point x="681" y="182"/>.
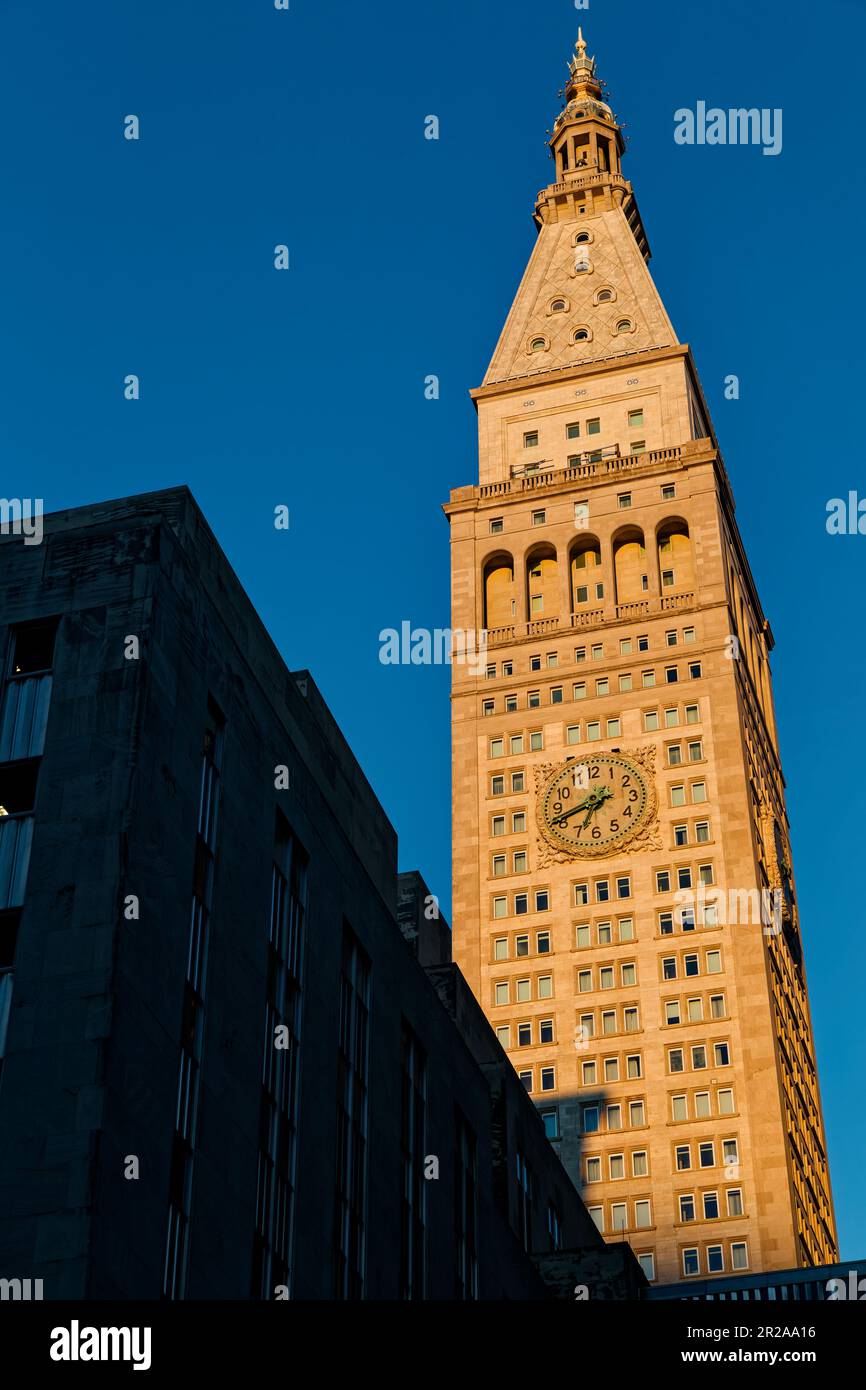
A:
<point x="209" y="866"/>
<point x="651" y="987"/>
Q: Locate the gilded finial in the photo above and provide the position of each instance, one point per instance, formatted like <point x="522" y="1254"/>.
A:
<point x="580" y="46"/>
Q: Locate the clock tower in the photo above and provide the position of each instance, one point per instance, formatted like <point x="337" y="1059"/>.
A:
<point x="624" y="904"/>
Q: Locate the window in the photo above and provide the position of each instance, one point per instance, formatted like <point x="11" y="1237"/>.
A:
<point x="497" y="748"/>
<point x="535" y="663"/>
<point x="631" y="1020"/>
<point x="545" y="1030"/>
<point x="584" y="981"/>
<point x="702" y="832"/>
<point x="725" y="1101"/>
<point x="498" y="864"/>
<point x="552" y="659"/>
<point x="633" y="1066"/>
<point x="539" y="518"/>
<point x="663" y="881"/>
<point x="695" y="670"/>
<point x="682" y="1153"/>
<point x="593" y="1170"/>
<point x="530" y="440"/>
<point x="643" y="644"/>
<point x="524" y="991"/>
<point x="581" y="894"/>
<point x="593" y="731"/>
<point x="672" y="1012"/>
<point x="542" y="900"/>
<point x="500" y="992"/>
<point x="521" y="946"/>
<point x="517" y="782"/>
<point x="515" y="744"/>
<point x="589" y="1074"/>
<point x="687" y="1207"/>
<point x="695" y="1010"/>
<point x="613" y="728"/>
<point x="519" y="861"/>
<point x="550" y="1120"/>
<point x="536" y="741"/>
<point x="497" y="526"/>
<point x="678" y="796"/>
<point x="500" y="948"/>
<point x="676" y="1061"/>
<point x="597" y="651"/>
<point x="556" y="695"/>
<point x="503" y="1034"/>
<point x="681" y="835"/>
<point x="518" y="822"/>
<point x="639" y="1164"/>
<point x="721" y="1054"/>
<point x="625" y="682"/>
<point x="526" y="1079"/>
<point x="642" y="1215"/>
<point x="606" y="977"/>
<point x="667" y="578"/>
<point x="648" y="679"/>
<point x="696" y="751"/>
<point x="487" y="707"/>
<point x="593" y="426"/>
<point x="628" y="973"/>
<point x="572" y="733"/>
<point x="626" y="929"/>
<point x="614" y="1117"/>
<point x="707" y="1154"/>
<point x="579" y="690"/>
<point x="699" y="1057"/>
<point x="623" y="501"/>
<point x="702" y="1105"/>
<point x="650" y="721"/>
<point x="580" y="654"/>
<point x="739" y="1255"/>
<point x="648" y="1265"/>
<point x="691" y="965"/>
<point x="666" y="923"/>
<point x="597" y="1214"/>
<point x="537" y="345"/>
<point x="608" y="1021"/>
<point x="699" y="791"/>
<point x="582" y="936"/>
<point x="548" y="1078"/>
<point x="589" y="1119"/>
<point x="619" y="1216"/>
<point x="714" y="962"/>
<point x="572" y="431"/>
<point x="353" y="1073"/>
<point x="734" y="1201"/>
<point x="498" y="825"/>
<point x="616" y="1164"/>
<point x="669" y="492"/>
<point x="691" y="1262"/>
<point x="672" y="675"/>
<point x="636" y="1114"/>
<point x="684" y="878"/>
<point x="545" y="987"/>
<point x="497" y="786"/>
<point x="717" y="1006"/>
<point x="672" y="718"/>
<point x="466" y="1209"/>
<point x="692" y="714"/>
<point x="510" y="704"/>
<point x="500" y="907"/>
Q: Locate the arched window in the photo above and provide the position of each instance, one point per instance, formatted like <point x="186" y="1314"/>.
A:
<point x="558" y="306"/>
<point x="624" y="326"/>
<point x="581" y="335"/>
<point x="582" y="239"/>
<point x="542" y="583"/>
<point x="604" y="296"/>
<point x="587" y="584"/>
<point x="537" y="345"/>
<point x="499" y="595"/>
<point x="629" y="565"/>
<point x="676" y="565"/>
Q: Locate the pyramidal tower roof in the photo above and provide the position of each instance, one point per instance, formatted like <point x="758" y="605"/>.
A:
<point x="587" y="294"/>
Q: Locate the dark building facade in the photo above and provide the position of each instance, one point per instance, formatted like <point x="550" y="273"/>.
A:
<point x="228" y="1070"/>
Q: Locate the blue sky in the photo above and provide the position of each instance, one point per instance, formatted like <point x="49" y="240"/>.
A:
<point x="305" y="388"/>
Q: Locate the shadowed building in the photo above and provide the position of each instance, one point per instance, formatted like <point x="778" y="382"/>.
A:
<point x="225" y="1071"/>
<point x="624" y="902"/>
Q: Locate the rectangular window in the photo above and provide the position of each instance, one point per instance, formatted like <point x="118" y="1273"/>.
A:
<point x="413" y="1222"/>
<point x="350" y="1193"/>
<point x="593" y="426"/>
<point x="539" y="518"/>
<point x="530" y="439"/>
<point x="465" y="1209"/>
<point x="572" y="431"/>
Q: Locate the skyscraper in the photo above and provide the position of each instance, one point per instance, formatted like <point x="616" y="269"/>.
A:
<point x="624" y="903"/>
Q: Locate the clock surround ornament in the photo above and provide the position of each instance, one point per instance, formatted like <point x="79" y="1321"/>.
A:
<point x="596" y="806"/>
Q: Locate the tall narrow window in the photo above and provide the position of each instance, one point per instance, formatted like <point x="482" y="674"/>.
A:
<point x="192" y="1016"/>
<point x="413" y="1207"/>
<point x="278" y="1119"/>
<point x="525" y="1196"/>
<point x="27" y="691"/>
<point x="350" y="1210"/>
<point x="465" y="1208"/>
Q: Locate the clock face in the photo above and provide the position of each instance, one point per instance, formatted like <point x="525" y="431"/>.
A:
<point x="594" y="807"/>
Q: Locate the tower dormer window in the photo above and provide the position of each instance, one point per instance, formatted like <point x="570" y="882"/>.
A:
<point x="558" y="306"/>
<point x="537" y="345"/>
<point x="625" y="326"/>
<point x="581" y="335"/>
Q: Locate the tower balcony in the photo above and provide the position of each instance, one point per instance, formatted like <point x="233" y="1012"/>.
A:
<point x="591" y="618"/>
